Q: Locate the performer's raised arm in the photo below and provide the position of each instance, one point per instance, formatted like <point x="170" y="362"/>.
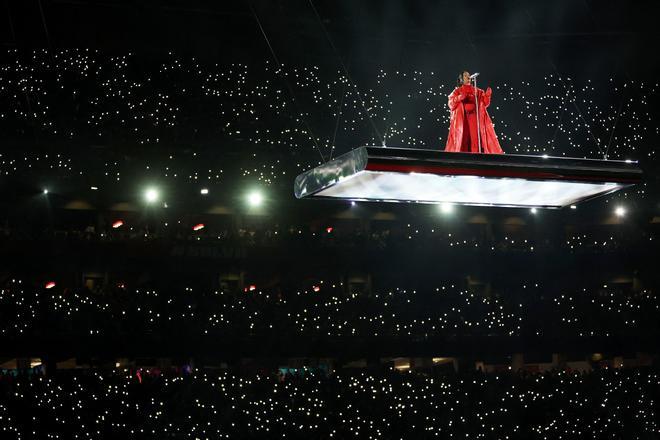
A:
<point x="455" y="98"/>
<point x="485" y="96"/>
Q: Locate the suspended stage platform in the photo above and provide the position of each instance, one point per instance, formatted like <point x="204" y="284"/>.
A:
<point x="384" y="174"/>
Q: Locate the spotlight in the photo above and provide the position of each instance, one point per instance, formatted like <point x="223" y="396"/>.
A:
<point x="204" y="191"/>
<point x="255" y="199"/>
<point x="151" y="195"/>
<point x="533" y="210"/>
<point x="573" y="207"/>
<point x="353" y="203"/>
<point x="94" y="188"/>
<point x="118" y="224"/>
<point x="446" y="208"/>
<point x="620" y="211"/>
<point x="45" y="190"/>
<point x="198" y="226"/>
<point x="50" y="285"/>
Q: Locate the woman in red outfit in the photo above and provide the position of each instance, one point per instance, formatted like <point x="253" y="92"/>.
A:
<point x="463" y="123"/>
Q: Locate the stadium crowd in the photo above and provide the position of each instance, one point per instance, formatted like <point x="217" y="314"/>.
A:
<point x="81" y="124"/>
<point x="204" y="404"/>
<point x="324" y="309"/>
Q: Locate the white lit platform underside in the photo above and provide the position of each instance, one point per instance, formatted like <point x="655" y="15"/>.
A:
<point x="430" y="176"/>
<point x="463" y="190"/>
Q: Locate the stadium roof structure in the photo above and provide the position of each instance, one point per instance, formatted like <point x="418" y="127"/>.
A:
<point x="384" y="174"/>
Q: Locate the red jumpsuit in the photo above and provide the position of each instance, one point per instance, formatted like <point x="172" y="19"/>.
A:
<point x="463" y="122"/>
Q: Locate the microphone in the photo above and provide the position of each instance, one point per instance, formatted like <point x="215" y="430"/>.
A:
<point x="474" y="75"/>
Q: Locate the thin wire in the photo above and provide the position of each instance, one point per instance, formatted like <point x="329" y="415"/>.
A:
<point x="339" y="114"/>
<point x="43" y="21"/>
<point x="607" y="149"/>
<point x="293" y="95"/>
<point x="327" y="35"/>
<point x="600" y="150"/>
<point x="561" y="116"/>
<point x="11" y="23"/>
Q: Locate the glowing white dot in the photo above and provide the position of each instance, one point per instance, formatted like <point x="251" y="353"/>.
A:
<point x="151" y="195"/>
<point x="446" y="208"/>
<point x="255" y="198"/>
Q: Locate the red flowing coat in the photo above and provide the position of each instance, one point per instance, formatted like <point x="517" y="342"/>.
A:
<point x="463" y="123"/>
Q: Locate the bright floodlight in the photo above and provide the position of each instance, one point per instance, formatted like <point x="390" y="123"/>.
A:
<point x="446" y="208"/>
<point x="204" y="191"/>
<point x="620" y="211"/>
<point x="533" y="210"/>
<point x="151" y="195"/>
<point x="45" y="190"/>
<point x="255" y="199"/>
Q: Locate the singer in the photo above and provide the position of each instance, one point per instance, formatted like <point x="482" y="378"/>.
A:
<point x="468" y="134"/>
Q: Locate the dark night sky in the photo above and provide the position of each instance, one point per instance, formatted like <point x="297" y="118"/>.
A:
<point x="589" y="38"/>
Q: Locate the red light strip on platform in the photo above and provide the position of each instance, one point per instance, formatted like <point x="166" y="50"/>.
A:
<point x="453" y="171"/>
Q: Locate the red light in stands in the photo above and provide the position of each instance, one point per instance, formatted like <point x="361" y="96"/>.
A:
<point x="118" y="224"/>
<point x="316" y="288"/>
<point x="198" y="226"/>
<point x="50" y="285"/>
<point x="329" y="229"/>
